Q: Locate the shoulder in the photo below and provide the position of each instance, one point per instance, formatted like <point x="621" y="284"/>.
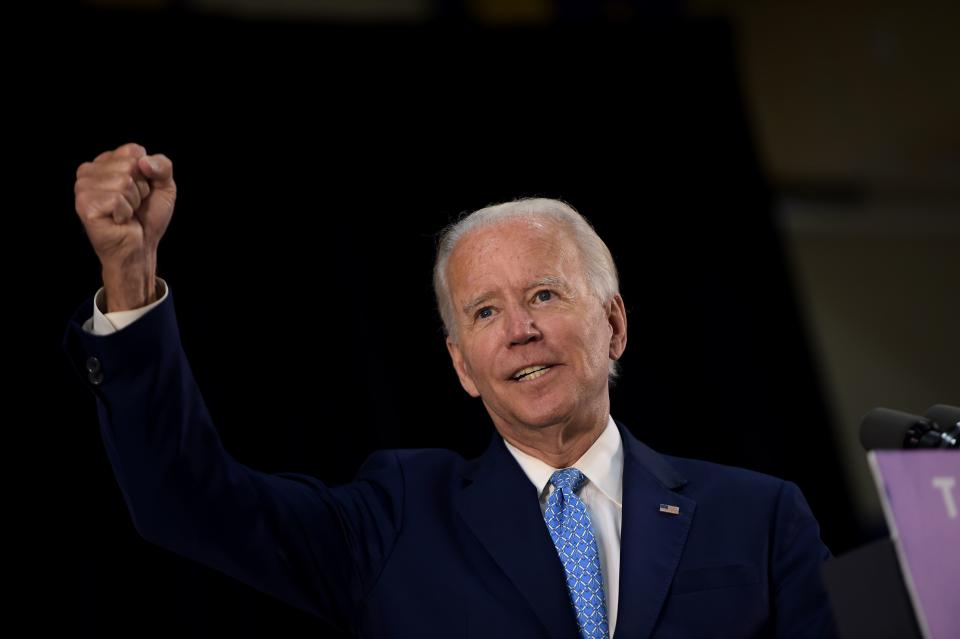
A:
<point x="695" y="477"/>
<point x="703" y="475"/>
<point x="413" y="463"/>
<point x="728" y="490"/>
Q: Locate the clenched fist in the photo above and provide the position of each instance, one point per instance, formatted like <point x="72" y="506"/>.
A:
<point x="125" y="200"/>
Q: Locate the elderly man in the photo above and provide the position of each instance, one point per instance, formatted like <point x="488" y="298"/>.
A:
<point x="565" y="527"/>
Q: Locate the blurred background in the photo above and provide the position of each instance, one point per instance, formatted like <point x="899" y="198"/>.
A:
<point x="779" y="183"/>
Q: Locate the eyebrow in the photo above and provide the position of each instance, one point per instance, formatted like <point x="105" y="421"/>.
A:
<point x="548" y="280"/>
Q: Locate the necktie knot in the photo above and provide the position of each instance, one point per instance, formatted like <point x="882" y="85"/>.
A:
<point x="568" y="478"/>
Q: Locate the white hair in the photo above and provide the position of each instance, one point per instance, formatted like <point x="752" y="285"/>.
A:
<point x="599" y="268"/>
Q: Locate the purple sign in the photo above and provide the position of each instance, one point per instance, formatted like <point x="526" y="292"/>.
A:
<point x="920" y="491"/>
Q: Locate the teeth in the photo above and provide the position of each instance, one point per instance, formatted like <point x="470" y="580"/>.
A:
<point x="539" y="373"/>
<point x="531" y="372"/>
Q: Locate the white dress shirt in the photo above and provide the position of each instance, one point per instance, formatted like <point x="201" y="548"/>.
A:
<point x="105" y="323"/>
<point x="602" y="465"/>
<point x="602" y="494"/>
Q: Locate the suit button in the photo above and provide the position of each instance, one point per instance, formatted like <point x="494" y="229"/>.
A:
<point x="94" y="371"/>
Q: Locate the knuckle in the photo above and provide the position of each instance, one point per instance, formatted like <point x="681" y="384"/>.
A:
<point x="128" y="165"/>
<point x="130" y="147"/>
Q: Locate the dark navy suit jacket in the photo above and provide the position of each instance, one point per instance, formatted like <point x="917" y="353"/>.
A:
<point x="426" y="544"/>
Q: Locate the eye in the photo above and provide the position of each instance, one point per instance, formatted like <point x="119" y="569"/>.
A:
<point x="484" y="312"/>
<point x="544" y="296"/>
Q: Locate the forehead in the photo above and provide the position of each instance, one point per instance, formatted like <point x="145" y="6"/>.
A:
<point x="511" y="254"/>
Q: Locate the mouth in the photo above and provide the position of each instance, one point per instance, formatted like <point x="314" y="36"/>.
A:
<point x="530" y="373"/>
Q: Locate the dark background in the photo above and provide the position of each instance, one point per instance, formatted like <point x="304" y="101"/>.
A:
<point x="315" y="164"/>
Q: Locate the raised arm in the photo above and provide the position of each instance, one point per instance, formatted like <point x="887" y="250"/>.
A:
<point x="315" y="547"/>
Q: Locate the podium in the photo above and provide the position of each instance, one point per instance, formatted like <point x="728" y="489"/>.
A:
<point x="906" y="586"/>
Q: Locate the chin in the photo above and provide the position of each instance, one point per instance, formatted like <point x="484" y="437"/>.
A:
<point x="549" y="416"/>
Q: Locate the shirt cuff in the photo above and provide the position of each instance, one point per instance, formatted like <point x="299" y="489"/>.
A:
<point x="106" y="323"/>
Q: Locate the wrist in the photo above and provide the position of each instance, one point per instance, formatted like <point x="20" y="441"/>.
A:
<point x="129" y="287"/>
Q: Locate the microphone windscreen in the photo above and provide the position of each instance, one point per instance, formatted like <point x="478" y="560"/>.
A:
<point x="946" y="417"/>
<point x="886" y="428"/>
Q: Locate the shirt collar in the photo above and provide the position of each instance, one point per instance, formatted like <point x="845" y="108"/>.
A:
<point x="602" y="464"/>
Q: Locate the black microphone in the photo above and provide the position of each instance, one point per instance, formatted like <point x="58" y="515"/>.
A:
<point x="886" y="428"/>
<point x="947" y="418"/>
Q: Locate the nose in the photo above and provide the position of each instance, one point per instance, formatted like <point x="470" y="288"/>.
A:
<point x="522" y="329"/>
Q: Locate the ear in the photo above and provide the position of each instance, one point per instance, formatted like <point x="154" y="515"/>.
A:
<point x="460" y="366"/>
<point x="617" y="317"/>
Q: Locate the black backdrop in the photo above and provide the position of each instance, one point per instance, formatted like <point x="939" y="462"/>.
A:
<point x="315" y="164"/>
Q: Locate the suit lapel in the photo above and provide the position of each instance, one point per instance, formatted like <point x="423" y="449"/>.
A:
<point x="652" y="542"/>
<point x="500" y="506"/>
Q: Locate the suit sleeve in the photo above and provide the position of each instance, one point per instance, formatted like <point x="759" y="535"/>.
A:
<point x="802" y="608"/>
<point x="317" y="548"/>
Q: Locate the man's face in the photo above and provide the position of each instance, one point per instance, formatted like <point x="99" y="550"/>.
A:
<point x="531" y="339"/>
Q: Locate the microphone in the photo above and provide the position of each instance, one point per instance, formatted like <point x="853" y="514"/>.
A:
<point x="948" y="419"/>
<point x="886" y="428"/>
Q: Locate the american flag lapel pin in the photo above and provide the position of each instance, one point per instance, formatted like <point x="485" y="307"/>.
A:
<point x="670" y="509"/>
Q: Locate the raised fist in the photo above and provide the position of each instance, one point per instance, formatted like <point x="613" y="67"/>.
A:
<point x="125" y="200"/>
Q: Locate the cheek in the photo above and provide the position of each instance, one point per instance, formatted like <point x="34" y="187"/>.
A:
<point x="597" y="346"/>
<point x="479" y="362"/>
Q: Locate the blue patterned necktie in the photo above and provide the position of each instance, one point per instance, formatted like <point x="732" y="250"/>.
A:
<point x="569" y="524"/>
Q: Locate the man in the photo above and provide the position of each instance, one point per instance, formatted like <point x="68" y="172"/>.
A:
<point x="567" y="526"/>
